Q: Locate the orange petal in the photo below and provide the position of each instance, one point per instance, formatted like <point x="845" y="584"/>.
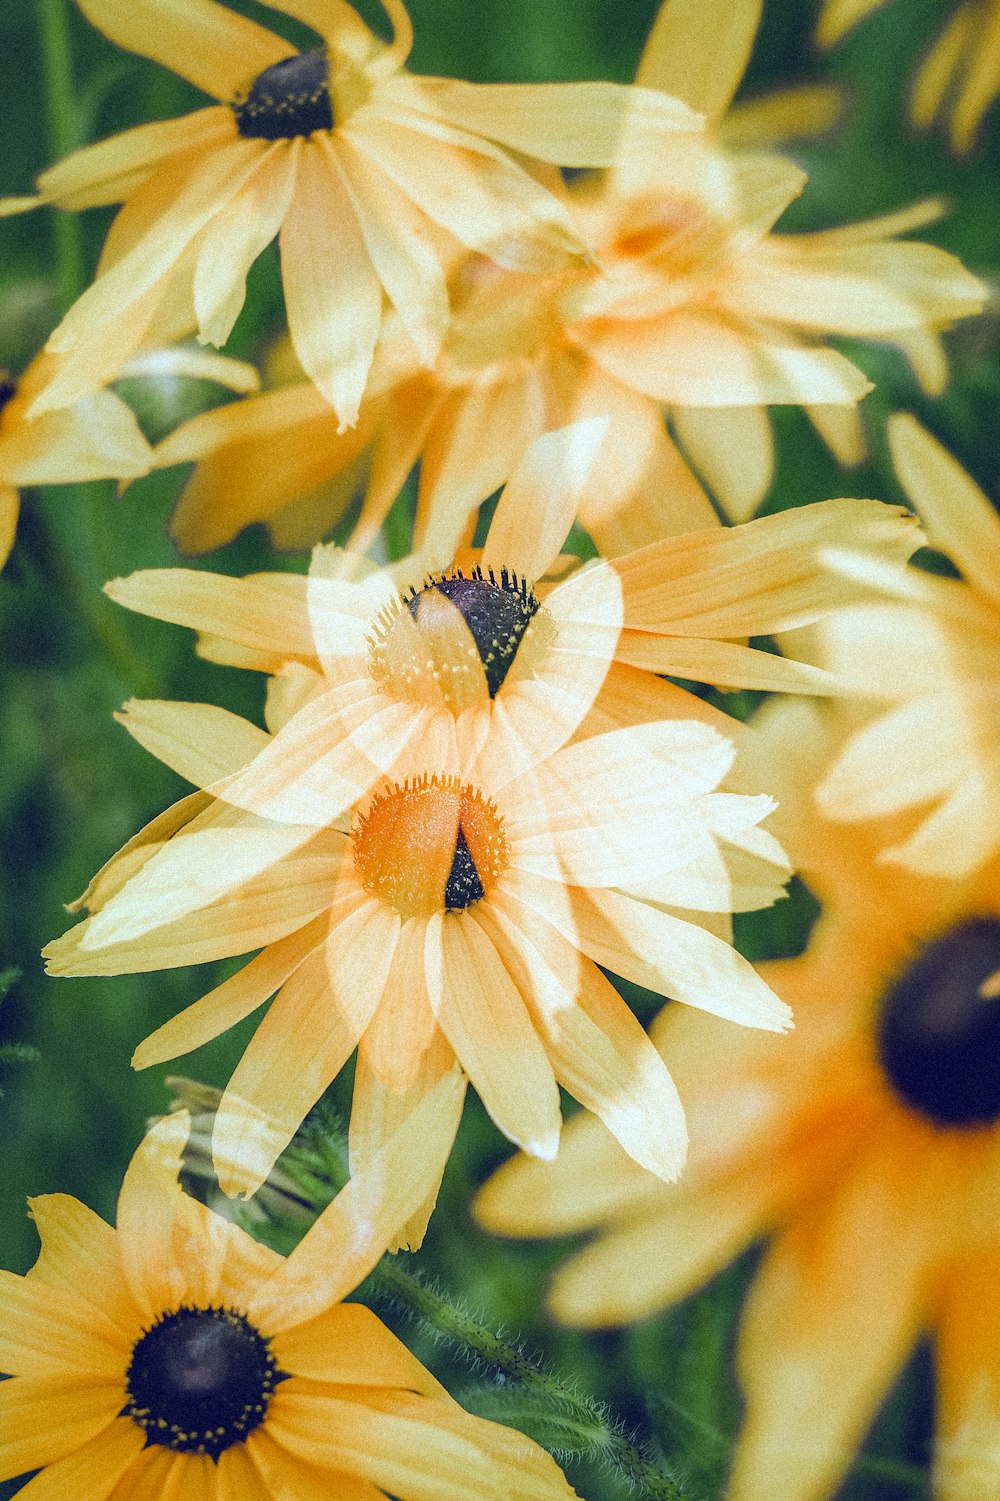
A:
<point x="97" y="439"/>
<point x="93" y="1471"/>
<point x="80" y="1255"/>
<point x="45" y="1418"/>
<point x="349" y="1345"/>
<point x="45" y="1330"/>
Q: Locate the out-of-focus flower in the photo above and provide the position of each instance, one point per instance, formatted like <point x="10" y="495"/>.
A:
<point x="931" y="648"/>
<point x="958" y="80"/>
<point x="98" y="438"/>
<point x="693" y="304"/>
<point x="866" y="1145"/>
<point x="360" y="166"/>
<point x="175" y="1356"/>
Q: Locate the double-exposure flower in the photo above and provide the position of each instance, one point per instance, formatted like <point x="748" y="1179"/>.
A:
<point x="174" y="1356"/>
<point x="865" y="1145"/>
<point x="925" y="659"/>
<point x="960" y="76"/>
<point x="361" y="167"/>
<point x="694" y="305"/>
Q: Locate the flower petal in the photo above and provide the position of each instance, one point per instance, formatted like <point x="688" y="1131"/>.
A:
<point x="733" y="449"/>
<point x="233" y="1000"/>
<point x="699" y="52"/>
<point x="597" y="1048"/>
<point x="349" y="1345"/>
<point x="98" y="438"/>
<point x="80" y="1255"/>
<point x="483" y="1015"/>
<point x="959" y="516"/>
<point x="351" y="1234"/>
<point x="303" y="1042"/>
<point x="109" y="171"/>
<point x="539" y="502"/>
<point x="332" y="294"/>
<point x="92" y="1471"/>
<point x="201" y="742"/>
<point x="267" y="613"/>
<point x="567" y="124"/>
<point x="10" y="509"/>
<point x="149" y="1204"/>
<point x="44" y="1418"/>
<point x="44" y="1330"/>
<point x="210" y="45"/>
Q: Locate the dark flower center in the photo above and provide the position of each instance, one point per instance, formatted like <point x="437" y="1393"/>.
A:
<point x="8" y="389"/>
<point x="291" y="98"/>
<point x="939" y="1030"/>
<point x="497" y="612"/>
<point x="200" y="1380"/>
<point x="464" y="885"/>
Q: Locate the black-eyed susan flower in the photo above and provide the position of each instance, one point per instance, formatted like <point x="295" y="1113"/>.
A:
<point x="865" y="1146"/>
<point x="958" y="80"/>
<point x="693" y="305"/>
<point x="454" y="920"/>
<point x="925" y="660"/>
<point x="174" y="1356"/>
<point x="360" y="167"/>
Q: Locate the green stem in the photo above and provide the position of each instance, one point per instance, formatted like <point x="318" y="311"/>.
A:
<point x="57" y="68"/>
<point x="595" y="1432"/>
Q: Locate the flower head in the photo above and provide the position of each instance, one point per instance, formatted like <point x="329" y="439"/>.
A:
<point x="173" y="1355"/>
<point x="370" y="175"/>
<point x="925" y="660"/>
<point x="865" y="1146"/>
<point x="693" y="305"/>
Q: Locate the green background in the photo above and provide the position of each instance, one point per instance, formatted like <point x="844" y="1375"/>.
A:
<point x="74" y="787"/>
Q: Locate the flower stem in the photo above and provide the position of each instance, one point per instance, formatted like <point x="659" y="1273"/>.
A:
<point x="530" y="1396"/>
<point x="62" y="130"/>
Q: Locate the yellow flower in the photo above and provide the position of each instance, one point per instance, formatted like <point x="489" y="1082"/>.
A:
<point x="174" y="1356"/>
<point x="693" y="304"/>
<point x="866" y="1144"/>
<point x="98" y="438"/>
<point x="362" y="168"/>
<point x="960" y="76"/>
<point x="931" y="649"/>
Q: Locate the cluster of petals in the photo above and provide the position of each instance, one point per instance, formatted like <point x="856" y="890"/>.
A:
<point x="133" y="1354"/>
<point x="922" y="663"/>
<point x="865" y="1146"/>
<point x="959" y="78"/>
<point x="691" y="303"/>
<point x="390" y="730"/>
<point x="371" y="177"/>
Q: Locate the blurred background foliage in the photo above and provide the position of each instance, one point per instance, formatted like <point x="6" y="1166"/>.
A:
<point x="74" y="787"/>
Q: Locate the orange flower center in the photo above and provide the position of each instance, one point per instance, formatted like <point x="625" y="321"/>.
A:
<point x="939" y="1028"/>
<point x="429" y="846"/>
<point x="497" y="612"/>
<point x="291" y="98"/>
<point x="200" y="1380"/>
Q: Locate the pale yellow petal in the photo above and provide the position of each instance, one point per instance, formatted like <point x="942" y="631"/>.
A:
<point x="982" y="81"/>
<point x="539" y="502"/>
<point x="109" y="171"/>
<point x="267" y="613"/>
<point x="305" y="1039"/>
<point x="699" y="52"/>
<point x="775" y="118"/>
<point x="201" y="742"/>
<point x="696" y="358"/>
<point x="211" y="46"/>
<point x="405" y="260"/>
<point x="732" y="448"/>
<point x="723" y="663"/>
<point x="352" y="1233"/>
<point x="960" y="519"/>
<point x="483" y="1016"/>
<point x="940" y="66"/>
<point x="80" y="1255"/>
<point x="236" y="236"/>
<point x="567" y="124"/>
<point x="149" y="1204"/>
<point x="842" y="430"/>
<point x="98" y="438"/>
<point x="233" y="1000"/>
<point x="599" y="1052"/>
<point x="473" y="190"/>
<point x="838" y="16"/>
<point x="332" y="294"/>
